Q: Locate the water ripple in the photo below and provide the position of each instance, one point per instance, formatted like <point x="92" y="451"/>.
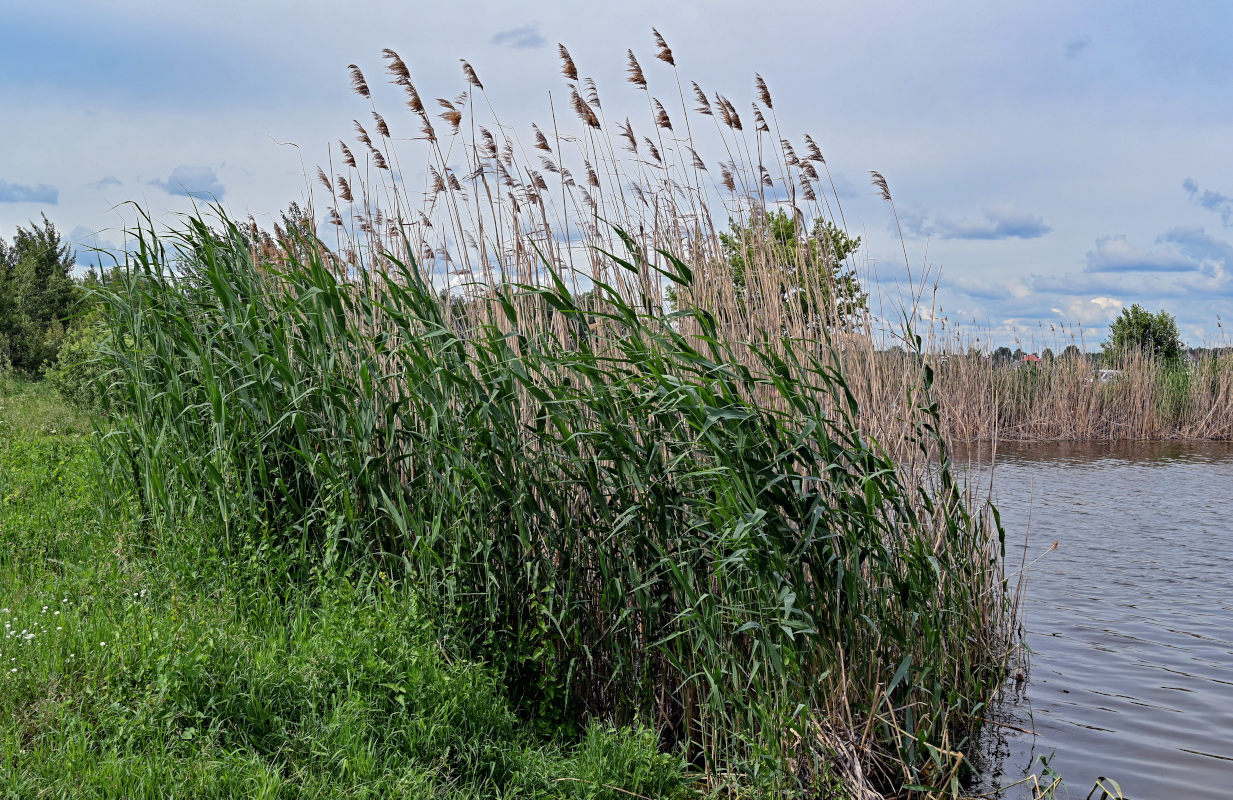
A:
<point x="1129" y="621"/>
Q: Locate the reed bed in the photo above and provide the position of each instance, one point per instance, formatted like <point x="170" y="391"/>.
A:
<point x="641" y="490"/>
<point x="1068" y="398"/>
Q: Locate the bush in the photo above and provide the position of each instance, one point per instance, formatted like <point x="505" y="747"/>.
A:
<point x="78" y="371"/>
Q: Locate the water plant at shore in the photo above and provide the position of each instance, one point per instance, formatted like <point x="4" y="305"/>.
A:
<point x="627" y="522"/>
<point x="640" y="514"/>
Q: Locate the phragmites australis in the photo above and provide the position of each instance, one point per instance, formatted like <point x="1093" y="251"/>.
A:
<point x="358" y="84"/>
<point x="704" y="105"/>
<point x="760" y="121"/>
<point x="814" y="152"/>
<point x="764" y="94"/>
<point x="348" y="157"/>
<point x="382" y="128"/>
<point x="568" y="69"/>
<point x="541" y="141"/>
<point x="661" y="116"/>
<point x="635" y="72"/>
<point x="397" y="67"/>
<point x="665" y="52"/>
<point x="583" y="110"/>
<point x="490" y="142"/>
<point x="789" y="154"/>
<point x="592" y="92"/>
<point x="429" y="132"/>
<point x="469" y="72"/>
<point x="879" y="183"/>
<point x="379" y="159"/>
<point x="451" y="114"/>
<point x="321" y="176"/>
<point x="344" y="189"/>
<point x="652" y="149"/>
<point x="726" y="179"/>
<point x="626" y="132"/>
<point x="697" y="160"/>
<point x="362" y="134"/>
<point x="413" y="98"/>
<point x="807" y="189"/>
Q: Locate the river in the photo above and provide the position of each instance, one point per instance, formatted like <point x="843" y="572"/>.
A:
<point x="1129" y="620"/>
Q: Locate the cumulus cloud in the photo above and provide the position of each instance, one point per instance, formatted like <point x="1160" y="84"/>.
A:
<point x="19" y="193"/>
<point x="103" y="183"/>
<point x="1002" y="221"/>
<point x="1089" y="310"/>
<point x="186" y="181"/>
<point x="520" y="38"/>
<point x="1215" y="202"/>
<point x="1117" y="254"/>
<point x="1076" y="46"/>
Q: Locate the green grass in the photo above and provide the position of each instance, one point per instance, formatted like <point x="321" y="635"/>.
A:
<point x="134" y="671"/>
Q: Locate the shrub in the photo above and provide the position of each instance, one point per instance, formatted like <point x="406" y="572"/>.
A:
<point x="79" y="370"/>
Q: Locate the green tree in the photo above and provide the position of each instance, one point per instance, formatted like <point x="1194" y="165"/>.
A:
<point x="807" y="267"/>
<point x="1138" y="330"/>
<point x="37" y="295"/>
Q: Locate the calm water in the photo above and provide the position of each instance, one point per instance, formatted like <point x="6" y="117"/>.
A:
<point x="1130" y="620"/>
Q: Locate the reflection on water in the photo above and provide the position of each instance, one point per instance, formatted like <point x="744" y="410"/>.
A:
<point x="1130" y="620"/>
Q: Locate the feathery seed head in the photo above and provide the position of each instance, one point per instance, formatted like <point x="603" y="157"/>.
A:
<point x="358" y="84"/>
<point x="635" y="72"/>
<point x="568" y="69"/>
<point x="665" y="52"/>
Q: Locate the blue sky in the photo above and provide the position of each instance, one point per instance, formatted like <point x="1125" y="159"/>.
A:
<point x="1050" y="162"/>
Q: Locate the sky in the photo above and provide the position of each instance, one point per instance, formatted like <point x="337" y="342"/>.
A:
<point x="1050" y="162"/>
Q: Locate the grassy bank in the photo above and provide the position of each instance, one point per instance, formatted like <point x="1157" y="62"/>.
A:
<point x="585" y="457"/>
<point x="139" y="669"/>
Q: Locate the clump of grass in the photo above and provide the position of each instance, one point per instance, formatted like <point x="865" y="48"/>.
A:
<point x="625" y="521"/>
<point x="670" y="518"/>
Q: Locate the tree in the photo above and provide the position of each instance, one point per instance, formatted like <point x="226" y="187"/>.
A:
<point x="1003" y="355"/>
<point x="805" y="269"/>
<point x="37" y="295"/>
<point x="1071" y="352"/>
<point x="1046" y="354"/>
<point x="1138" y="330"/>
